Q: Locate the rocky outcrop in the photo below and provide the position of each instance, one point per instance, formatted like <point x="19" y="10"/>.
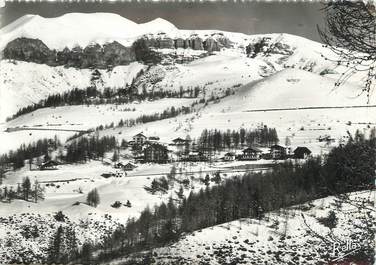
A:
<point x="97" y="56"/>
<point x="165" y="43"/>
<point x="143" y="51"/>
<point x="180" y="43"/>
<point x="28" y="50"/>
<point x="266" y="46"/>
<point x="211" y="45"/>
<point x="223" y="41"/>
<point x="110" y="54"/>
<point x="33" y="50"/>
<point x="196" y="43"/>
<point x="116" y="54"/>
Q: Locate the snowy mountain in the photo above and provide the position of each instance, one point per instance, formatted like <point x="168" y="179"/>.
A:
<point x="184" y="58"/>
<point x="80" y="29"/>
<point x="244" y="68"/>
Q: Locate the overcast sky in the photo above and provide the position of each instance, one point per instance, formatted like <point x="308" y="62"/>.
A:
<point x="251" y="18"/>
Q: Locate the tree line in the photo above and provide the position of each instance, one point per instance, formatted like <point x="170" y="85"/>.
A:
<point x="220" y="140"/>
<point x="25" y="191"/>
<point x="86" y="148"/>
<point x="78" y="150"/>
<point x="63" y="246"/>
<point x="145" y="118"/>
<point x="91" y="95"/>
<point x="345" y="169"/>
<point x="82" y="148"/>
<point x="16" y="159"/>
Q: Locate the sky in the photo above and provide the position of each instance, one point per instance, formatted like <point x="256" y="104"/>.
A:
<point x="299" y="18"/>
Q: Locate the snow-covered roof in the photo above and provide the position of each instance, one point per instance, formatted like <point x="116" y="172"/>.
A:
<point x="139" y="135"/>
<point x="252" y="149"/>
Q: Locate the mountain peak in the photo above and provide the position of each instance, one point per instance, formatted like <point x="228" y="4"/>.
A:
<point x="158" y="25"/>
<point x="81" y="29"/>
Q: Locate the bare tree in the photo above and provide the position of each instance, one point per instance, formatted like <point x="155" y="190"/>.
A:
<point x="350" y="32"/>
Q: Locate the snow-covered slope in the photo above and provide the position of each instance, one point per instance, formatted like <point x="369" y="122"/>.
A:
<point x="290" y="236"/>
<point x="24" y="84"/>
<point x="80" y="29"/>
<point x="293" y="88"/>
<point x="287" y="77"/>
<point x="255" y="104"/>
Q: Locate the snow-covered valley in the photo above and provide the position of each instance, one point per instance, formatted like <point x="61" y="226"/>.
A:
<point x="288" y="85"/>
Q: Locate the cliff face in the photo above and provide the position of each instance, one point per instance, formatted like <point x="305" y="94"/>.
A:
<point x="194" y="42"/>
<point x="33" y="50"/>
<point x="29" y="50"/>
<point x="266" y="47"/>
<point x="110" y="54"/>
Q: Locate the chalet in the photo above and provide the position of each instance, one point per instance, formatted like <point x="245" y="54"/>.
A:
<point x="139" y="158"/>
<point x="154" y="138"/>
<point x="195" y="156"/>
<point x="251" y="153"/>
<point x="7" y="166"/>
<point x="49" y="165"/>
<point x="129" y="167"/>
<point x="179" y="141"/>
<point x="278" y="152"/>
<point x="180" y="144"/>
<point x="302" y="152"/>
<point x="156" y="153"/>
<point x="118" y="165"/>
<point x="325" y="138"/>
<point x="139" y="138"/>
<point x="130" y="143"/>
<point x="230" y="156"/>
<point x="107" y="175"/>
<point x="117" y="174"/>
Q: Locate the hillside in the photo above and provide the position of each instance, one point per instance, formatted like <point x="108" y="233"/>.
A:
<point x="25" y="83"/>
<point x="296" y="235"/>
<point x="288" y="89"/>
<point x="287" y="72"/>
<point x="293" y="88"/>
<point x="214" y="72"/>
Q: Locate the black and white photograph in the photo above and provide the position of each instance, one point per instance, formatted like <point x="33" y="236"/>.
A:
<point x="187" y="132"/>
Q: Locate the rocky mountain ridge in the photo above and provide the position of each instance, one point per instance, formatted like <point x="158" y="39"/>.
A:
<point x="144" y="49"/>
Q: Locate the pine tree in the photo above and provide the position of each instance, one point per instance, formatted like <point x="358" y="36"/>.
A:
<point x="30" y="161"/>
<point x="38" y="192"/>
<point x="71" y="243"/>
<point x="92" y="198"/>
<point x="55" y="248"/>
<point x="26" y="187"/>
<point x="86" y="253"/>
<point x="115" y="156"/>
<point x="11" y="194"/>
<point x="187" y="146"/>
<point x="19" y="190"/>
<point x="5" y="194"/>
<point x="2" y="170"/>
